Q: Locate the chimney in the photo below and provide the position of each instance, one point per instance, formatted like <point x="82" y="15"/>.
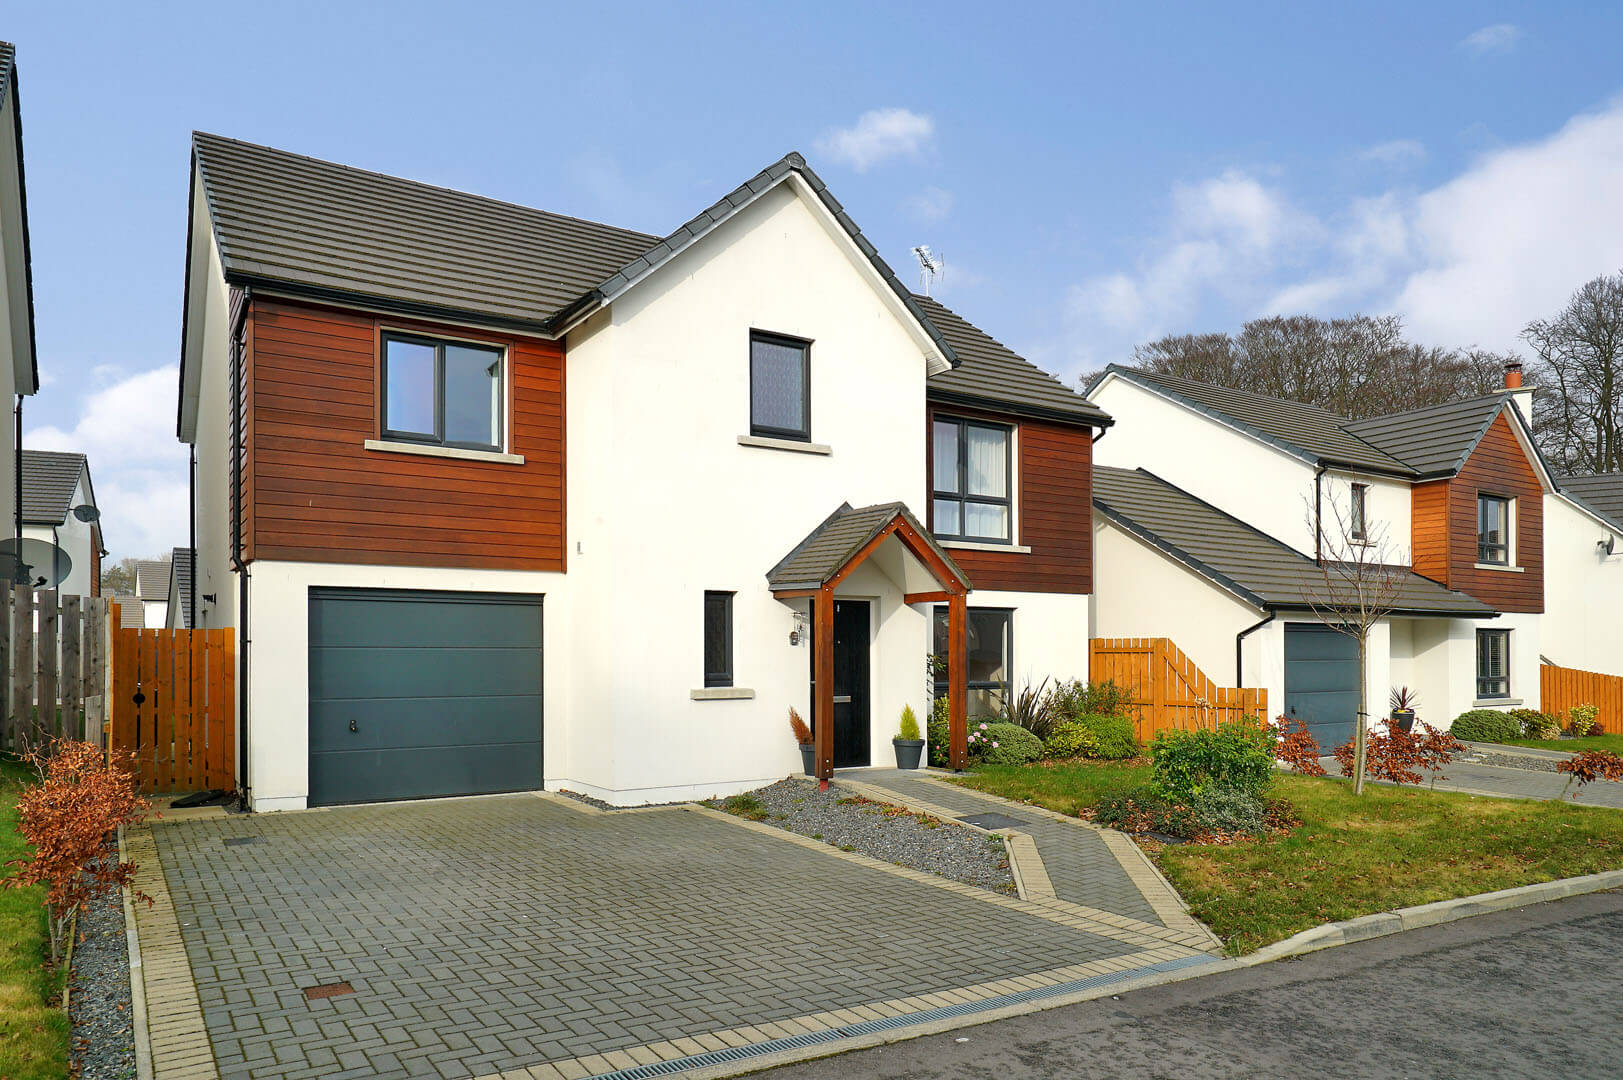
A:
<point x="1522" y="395"/>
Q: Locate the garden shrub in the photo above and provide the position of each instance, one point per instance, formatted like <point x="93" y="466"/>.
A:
<point x="1075" y="698"/>
<point x="1535" y="724"/>
<point x="939" y="734"/>
<point x="1004" y="744"/>
<point x="1031" y="708"/>
<point x="1486" y="725"/>
<point x="909" y="728"/>
<point x="1297" y="748"/>
<point x="1218" y="811"/>
<point x="1582" y="720"/>
<point x="1397" y="755"/>
<point x="1070" y="740"/>
<point x="1113" y="735"/>
<point x="1239" y="754"/>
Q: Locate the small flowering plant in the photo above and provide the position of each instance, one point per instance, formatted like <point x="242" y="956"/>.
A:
<point x="980" y="741"/>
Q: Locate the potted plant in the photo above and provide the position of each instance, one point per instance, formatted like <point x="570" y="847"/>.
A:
<point x="909" y="747"/>
<point x="1403" y="703"/>
<point x="808" y="744"/>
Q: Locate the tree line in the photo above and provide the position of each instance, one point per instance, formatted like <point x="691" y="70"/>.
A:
<point x="1364" y="365"/>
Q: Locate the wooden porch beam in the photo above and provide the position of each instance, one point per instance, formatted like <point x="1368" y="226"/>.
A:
<point x="926" y="597"/>
<point x="823" y="690"/>
<point x="957" y="681"/>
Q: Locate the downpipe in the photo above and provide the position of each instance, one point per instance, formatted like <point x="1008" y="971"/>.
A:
<point x="1239" y="642"/>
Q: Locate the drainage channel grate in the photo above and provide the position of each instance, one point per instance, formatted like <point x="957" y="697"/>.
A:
<point x="870" y="1027"/>
<point x="327" y="990"/>
<point x="238" y="841"/>
<point x="992" y="821"/>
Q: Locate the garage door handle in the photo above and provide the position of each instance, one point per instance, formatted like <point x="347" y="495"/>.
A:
<point x="352" y="726"/>
<point x="842" y="699"/>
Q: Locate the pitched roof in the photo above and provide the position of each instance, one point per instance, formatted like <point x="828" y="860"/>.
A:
<point x="1304" y="430"/>
<point x="1252" y="565"/>
<point x="180" y="569"/>
<point x="152" y="579"/>
<point x="49" y="480"/>
<point x="8" y="58"/>
<point x="132" y="614"/>
<point x="1435" y="440"/>
<point x="1599" y="493"/>
<point x="827" y="548"/>
<point x="336" y="230"/>
<point x="990" y="372"/>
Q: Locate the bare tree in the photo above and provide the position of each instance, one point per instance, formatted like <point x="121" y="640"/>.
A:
<point x="119" y="579"/>
<point x="1359" y="585"/>
<point x="1580" y="354"/>
<point x="1357" y="366"/>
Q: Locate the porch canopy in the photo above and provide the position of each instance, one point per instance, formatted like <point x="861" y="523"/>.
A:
<point x="890" y="536"/>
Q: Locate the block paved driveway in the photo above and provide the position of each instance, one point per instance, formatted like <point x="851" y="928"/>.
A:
<point x="486" y="935"/>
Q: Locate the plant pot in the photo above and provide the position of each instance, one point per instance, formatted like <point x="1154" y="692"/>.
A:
<point x="1403" y="719"/>
<point x="908" y="752"/>
<point x="808" y="758"/>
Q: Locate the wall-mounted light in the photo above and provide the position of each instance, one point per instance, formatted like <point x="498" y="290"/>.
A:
<point x="797" y="635"/>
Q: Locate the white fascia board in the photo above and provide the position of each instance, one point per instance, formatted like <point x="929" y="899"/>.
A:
<point x="14" y="249"/>
<point x="1525" y="437"/>
<point x="202" y="259"/>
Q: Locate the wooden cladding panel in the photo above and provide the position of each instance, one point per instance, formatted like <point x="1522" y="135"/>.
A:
<point x="1498" y="466"/>
<point x="1429" y="525"/>
<point x="1053" y="510"/>
<point x="318" y="495"/>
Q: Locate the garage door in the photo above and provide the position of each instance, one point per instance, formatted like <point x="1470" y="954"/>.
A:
<point x="414" y="694"/>
<point x="1321" y="682"/>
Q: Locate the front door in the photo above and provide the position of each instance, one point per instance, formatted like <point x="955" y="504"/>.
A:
<point x="851" y="727"/>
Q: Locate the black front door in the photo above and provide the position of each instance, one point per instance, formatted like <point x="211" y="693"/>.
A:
<point x="851" y="683"/>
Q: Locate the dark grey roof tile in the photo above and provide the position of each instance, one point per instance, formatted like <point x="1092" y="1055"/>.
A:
<point x="827" y="548"/>
<point x="1599" y="493"/>
<point x="49" y="480"/>
<point x="1434" y="440"/>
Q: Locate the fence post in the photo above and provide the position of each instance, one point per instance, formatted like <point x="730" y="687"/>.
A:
<point x="50" y="718"/>
<point x="22" y="666"/>
<point x="95" y="674"/>
<point x="72" y="679"/>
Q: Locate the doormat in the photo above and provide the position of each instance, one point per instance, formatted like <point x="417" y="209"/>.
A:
<point x="992" y="821"/>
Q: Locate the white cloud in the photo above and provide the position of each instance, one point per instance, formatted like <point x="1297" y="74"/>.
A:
<point x="126" y="427"/>
<point x="878" y="136"/>
<point x="1397" y="152"/>
<point x="1493" y="39"/>
<point x="931" y="204"/>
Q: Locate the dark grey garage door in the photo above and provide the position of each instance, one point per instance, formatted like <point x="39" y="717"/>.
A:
<point x="414" y="694"/>
<point x="1321" y="682"/>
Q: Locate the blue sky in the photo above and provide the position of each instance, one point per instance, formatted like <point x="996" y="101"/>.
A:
<point x="1094" y="175"/>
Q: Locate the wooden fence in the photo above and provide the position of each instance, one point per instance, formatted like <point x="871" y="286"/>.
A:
<point x="1167" y="691"/>
<point x="174" y="707"/>
<point x="1561" y="688"/>
<point x="54" y="664"/>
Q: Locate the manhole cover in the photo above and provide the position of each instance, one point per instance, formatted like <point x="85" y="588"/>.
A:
<point x="327" y="990"/>
<point x="991" y="821"/>
<point x="238" y="841"/>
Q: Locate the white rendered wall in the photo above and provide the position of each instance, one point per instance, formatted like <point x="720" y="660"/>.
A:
<point x="210" y="309"/>
<point x="1050" y="632"/>
<point x="1583" y="591"/>
<point x="664" y="503"/>
<point x="14" y="343"/>
<point x="278" y="661"/>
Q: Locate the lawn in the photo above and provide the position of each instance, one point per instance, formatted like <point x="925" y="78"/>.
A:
<point x="1389" y="848"/>
<point x="1612" y="743"/>
<point x="33" y="1033"/>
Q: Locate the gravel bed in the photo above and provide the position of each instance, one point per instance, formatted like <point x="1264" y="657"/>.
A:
<point x="943" y="848"/>
<point x="103" y="1040"/>
<point x="1526" y="762"/>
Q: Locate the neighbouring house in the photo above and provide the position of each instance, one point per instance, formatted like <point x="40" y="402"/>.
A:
<point x="500" y="498"/>
<point x="178" y="611"/>
<point x="1583" y="573"/>
<point x="152" y="588"/>
<point x="131" y="612"/>
<point x="19" y="366"/>
<point x="59" y="507"/>
<point x="1213" y="507"/>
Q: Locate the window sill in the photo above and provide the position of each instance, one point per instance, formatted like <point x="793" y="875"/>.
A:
<point x="1502" y="569"/>
<point x="792" y="445"/>
<point x="722" y="693"/>
<point x="1491" y="702"/>
<point x="455" y="452"/>
<point x="972" y="545"/>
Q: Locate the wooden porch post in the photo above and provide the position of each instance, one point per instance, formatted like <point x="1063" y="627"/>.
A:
<point x="823" y="702"/>
<point x="958" y="679"/>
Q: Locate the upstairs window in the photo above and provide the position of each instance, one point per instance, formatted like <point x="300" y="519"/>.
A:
<point x="443" y="393"/>
<point x="1493" y="663"/>
<point x="971" y="476"/>
<point x="780" y="387"/>
<point x="718" y="639"/>
<point x="1493" y="530"/>
<point x="1357" y="523"/>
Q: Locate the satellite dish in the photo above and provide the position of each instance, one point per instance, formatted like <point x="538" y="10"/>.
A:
<point x="1607" y="546"/>
<point x="37" y="563"/>
<point x="86" y="512"/>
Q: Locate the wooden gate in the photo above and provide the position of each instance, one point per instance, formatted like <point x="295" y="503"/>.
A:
<point x="1167" y="691"/>
<point x="174" y="707"/>
<point x="1561" y="688"/>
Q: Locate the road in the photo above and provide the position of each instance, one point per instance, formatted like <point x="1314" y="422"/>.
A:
<point x="1526" y="993"/>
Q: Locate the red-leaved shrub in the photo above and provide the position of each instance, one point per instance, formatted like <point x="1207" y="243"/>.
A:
<point x="69" y="818"/>
<point x="1591" y="765"/>
<point x="1397" y="755"/>
<point x="1298" y="749"/>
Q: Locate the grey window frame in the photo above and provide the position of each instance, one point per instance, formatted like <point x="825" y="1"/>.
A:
<point x="942" y="611"/>
<point x="1484" y="683"/>
<point x="1485" y="550"/>
<point x="718" y="678"/>
<point x="437" y="438"/>
<point x="767" y="431"/>
<point x="962" y="495"/>
<point x="1359" y="523"/>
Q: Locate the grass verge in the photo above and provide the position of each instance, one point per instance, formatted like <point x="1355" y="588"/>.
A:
<point x="33" y="1031"/>
<point x="1351" y="856"/>
<point x="1611" y="743"/>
